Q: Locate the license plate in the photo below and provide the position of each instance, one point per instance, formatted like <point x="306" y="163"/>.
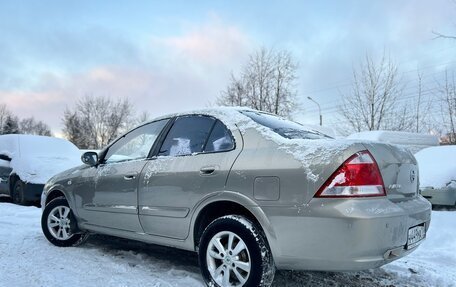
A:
<point x="415" y="235"/>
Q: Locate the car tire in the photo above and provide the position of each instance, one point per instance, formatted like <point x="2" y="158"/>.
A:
<point x="234" y="249"/>
<point x="57" y="223"/>
<point x="17" y="194"/>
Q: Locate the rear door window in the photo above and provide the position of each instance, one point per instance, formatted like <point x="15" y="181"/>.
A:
<point x="188" y="135"/>
<point x="220" y="139"/>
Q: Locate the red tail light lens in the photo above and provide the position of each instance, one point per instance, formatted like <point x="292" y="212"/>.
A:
<point x="358" y="176"/>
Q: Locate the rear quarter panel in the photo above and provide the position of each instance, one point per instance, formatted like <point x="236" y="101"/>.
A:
<point x="299" y="179"/>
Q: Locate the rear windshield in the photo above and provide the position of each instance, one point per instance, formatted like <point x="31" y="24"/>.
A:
<point x="286" y="128"/>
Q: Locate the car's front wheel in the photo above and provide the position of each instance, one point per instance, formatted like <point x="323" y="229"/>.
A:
<point x="233" y="252"/>
<point x="57" y="223"/>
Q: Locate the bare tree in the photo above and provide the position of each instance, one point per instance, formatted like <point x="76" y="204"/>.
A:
<point x="33" y="127"/>
<point x="443" y="36"/>
<point x="96" y="121"/>
<point x="448" y="96"/>
<point x="142" y="118"/>
<point x="4" y="113"/>
<point x="373" y="103"/>
<point x="11" y="125"/>
<point x="74" y="130"/>
<point x="424" y="121"/>
<point x="266" y="83"/>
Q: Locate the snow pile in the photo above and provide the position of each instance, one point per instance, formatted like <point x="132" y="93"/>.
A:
<point x="433" y="264"/>
<point x="437" y="166"/>
<point x="106" y="261"/>
<point x="35" y="159"/>
<point x="27" y="259"/>
<point x="413" y="141"/>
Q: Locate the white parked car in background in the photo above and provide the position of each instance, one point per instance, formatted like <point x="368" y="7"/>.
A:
<point x="437" y="167"/>
<point x="412" y="141"/>
<point x="28" y="161"/>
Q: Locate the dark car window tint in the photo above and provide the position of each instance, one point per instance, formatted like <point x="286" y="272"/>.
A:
<point x="285" y="128"/>
<point x="187" y="135"/>
<point x="136" y="144"/>
<point x="220" y="139"/>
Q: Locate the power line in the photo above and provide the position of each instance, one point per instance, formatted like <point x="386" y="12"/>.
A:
<point x="345" y="84"/>
<point x="407" y="95"/>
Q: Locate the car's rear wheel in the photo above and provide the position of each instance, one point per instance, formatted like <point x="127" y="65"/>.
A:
<point x="58" y="224"/>
<point x="233" y="252"/>
<point x="17" y="195"/>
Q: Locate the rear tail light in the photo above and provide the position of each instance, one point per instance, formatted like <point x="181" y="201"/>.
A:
<point x="358" y="176"/>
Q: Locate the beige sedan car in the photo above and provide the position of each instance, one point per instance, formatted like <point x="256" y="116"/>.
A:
<point x="249" y="191"/>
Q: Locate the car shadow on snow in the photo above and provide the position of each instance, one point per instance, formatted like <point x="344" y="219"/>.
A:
<point x="136" y="253"/>
<point x="443" y="208"/>
<point x="4" y="198"/>
<point x="377" y="277"/>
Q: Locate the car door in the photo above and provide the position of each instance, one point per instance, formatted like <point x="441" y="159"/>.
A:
<point x="194" y="160"/>
<point x="113" y="200"/>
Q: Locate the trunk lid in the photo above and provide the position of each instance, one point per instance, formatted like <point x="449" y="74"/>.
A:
<point x="399" y="170"/>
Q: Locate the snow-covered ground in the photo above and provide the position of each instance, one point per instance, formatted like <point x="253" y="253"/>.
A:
<point x="27" y="259"/>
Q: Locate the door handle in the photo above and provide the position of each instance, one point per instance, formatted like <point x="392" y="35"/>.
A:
<point x="207" y="170"/>
<point x="129" y="176"/>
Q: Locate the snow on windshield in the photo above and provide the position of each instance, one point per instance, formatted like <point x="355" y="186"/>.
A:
<point x="437" y="166"/>
<point x="9" y="145"/>
<point x="46" y="146"/>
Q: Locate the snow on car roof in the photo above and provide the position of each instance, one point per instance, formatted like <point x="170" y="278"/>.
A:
<point x="437" y="166"/>
<point x="20" y="145"/>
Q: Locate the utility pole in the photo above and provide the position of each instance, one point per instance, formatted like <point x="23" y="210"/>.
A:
<point x="319" y="110"/>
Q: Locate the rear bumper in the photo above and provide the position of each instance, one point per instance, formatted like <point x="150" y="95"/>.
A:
<point x="443" y="196"/>
<point x="344" y="235"/>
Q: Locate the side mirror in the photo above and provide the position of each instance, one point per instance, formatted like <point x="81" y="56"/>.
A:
<point x="90" y="158"/>
<point x="5" y="157"/>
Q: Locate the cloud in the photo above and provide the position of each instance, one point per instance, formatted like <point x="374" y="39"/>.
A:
<point x="211" y="44"/>
<point x="171" y="73"/>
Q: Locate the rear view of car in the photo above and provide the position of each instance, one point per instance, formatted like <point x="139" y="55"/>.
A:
<point x="438" y="174"/>
<point x="352" y="205"/>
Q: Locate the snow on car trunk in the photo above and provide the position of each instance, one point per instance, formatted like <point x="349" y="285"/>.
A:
<point x="398" y="167"/>
<point x="437" y="166"/>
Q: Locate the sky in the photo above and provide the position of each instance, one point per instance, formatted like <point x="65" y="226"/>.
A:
<point x="171" y="56"/>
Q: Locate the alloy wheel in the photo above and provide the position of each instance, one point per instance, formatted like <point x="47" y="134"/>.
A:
<point x="58" y="223"/>
<point x="228" y="259"/>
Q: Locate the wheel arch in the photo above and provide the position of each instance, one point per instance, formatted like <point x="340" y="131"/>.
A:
<point x="227" y="203"/>
<point x="53" y="195"/>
